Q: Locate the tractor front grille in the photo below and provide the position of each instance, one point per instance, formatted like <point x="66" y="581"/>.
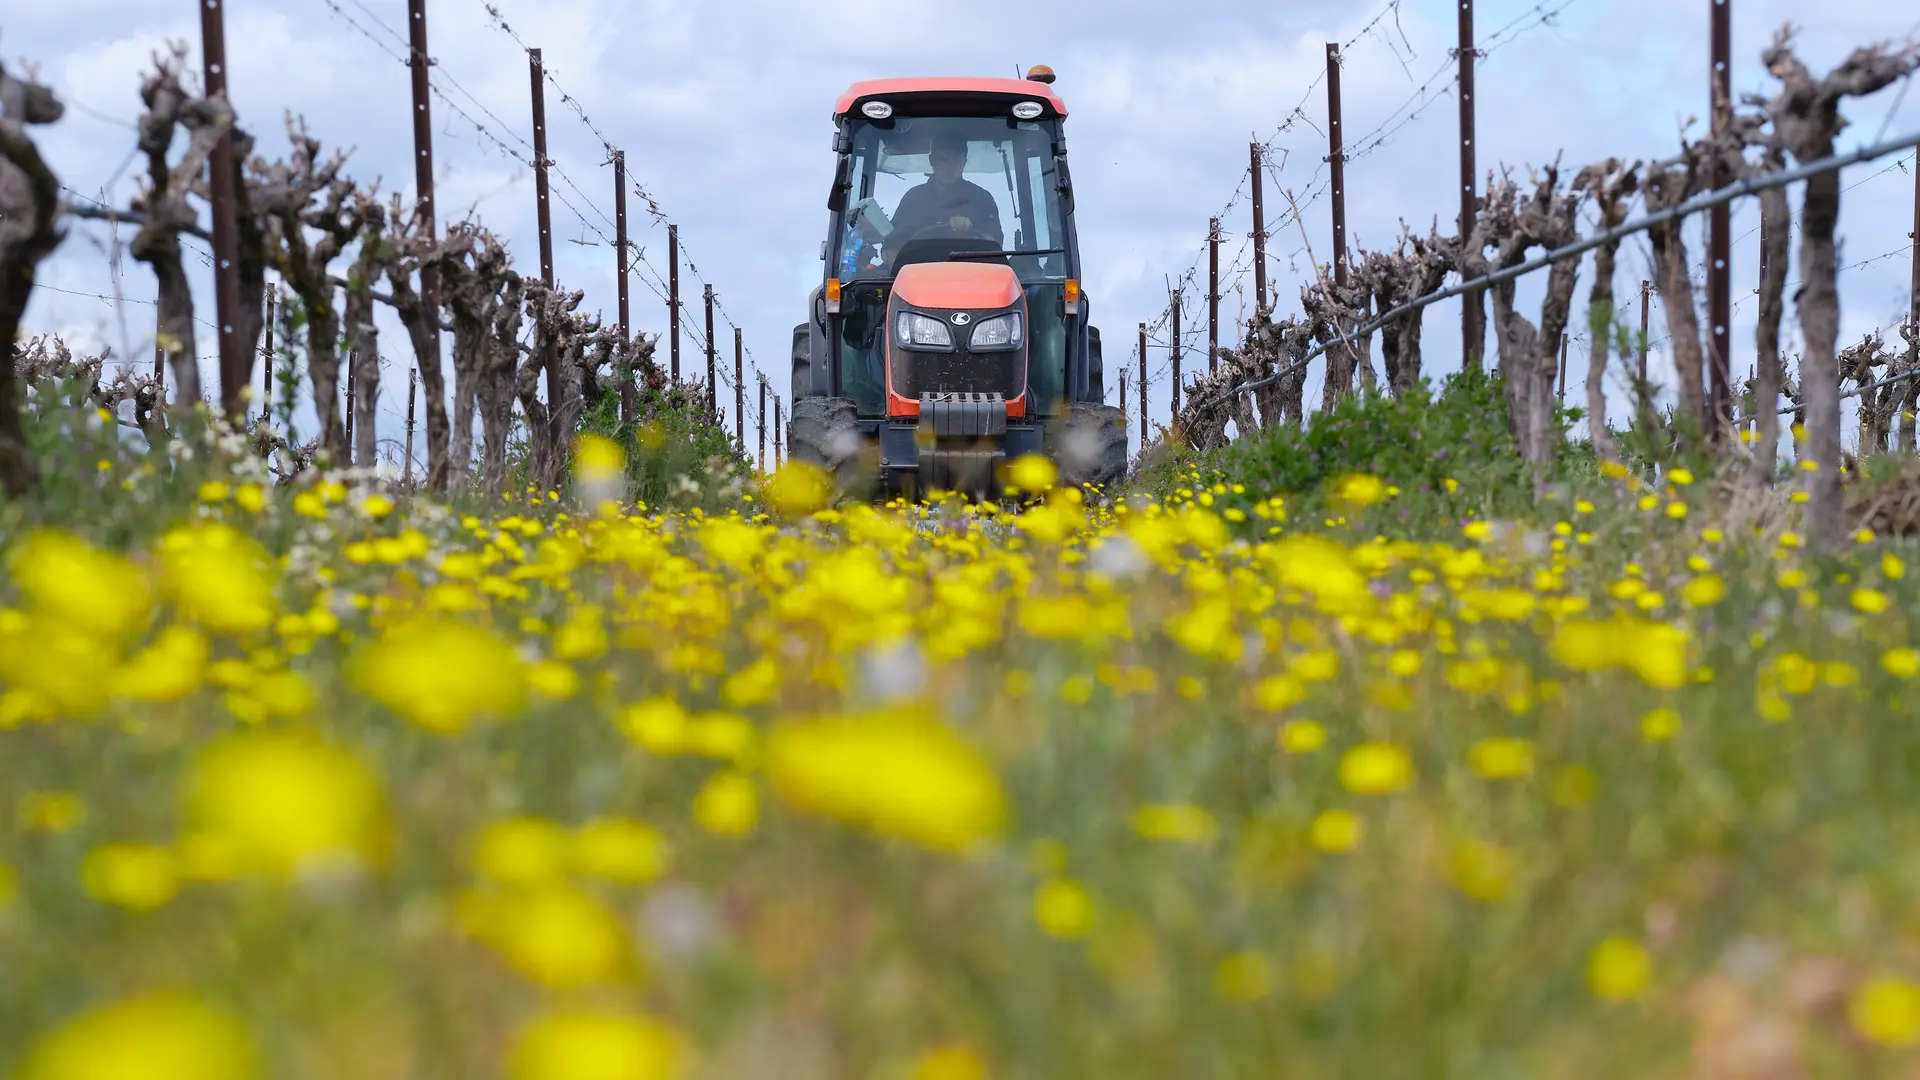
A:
<point x="917" y="373"/>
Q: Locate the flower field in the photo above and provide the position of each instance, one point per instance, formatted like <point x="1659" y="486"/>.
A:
<point x="318" y="781"/>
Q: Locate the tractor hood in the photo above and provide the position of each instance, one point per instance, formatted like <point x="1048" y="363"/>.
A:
<point x="957" y="285"/>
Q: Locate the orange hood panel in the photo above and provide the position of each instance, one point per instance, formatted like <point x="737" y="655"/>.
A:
<point x="957" y="285"/>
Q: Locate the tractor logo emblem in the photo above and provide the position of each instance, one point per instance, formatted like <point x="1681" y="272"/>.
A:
<point x="961" y="318"/>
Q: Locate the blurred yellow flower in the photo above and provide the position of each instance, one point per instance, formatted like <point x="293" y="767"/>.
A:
<point x="1063" y="909"/>
<point x="1481" y="870"/>
<point x="153" y="1037"/>
<point x="1502" y="759"/>
<point x="903" y="777"/>
<point x="1336" y="831"/>
<point x="554" y="934"/>
<point x="170" y="669"/>
<point x="521" y="851"/>
<point x="1870" y="601"/>
<point x="1618" y="969"/>
<point x="1886" y="1009"/>
<point x="1032" y="474"/>
<point x="1359" y="489"/>
<point x="596" y="1044"/>
<point x="71" y="583"/>
<point x="1902" y="663"/>
<point x="1704" y="591"/>
<point x="443" y="675"/>
<point x="957" y="1062"/>
<point x="1376" y="768"/>
<point x="728" y="804"/>
<point x="1302" y="736"/>
<point x="285" y="805"/>
<point x="137" y="877"/>
<point x="219" y="578"/>
<point x="1178" y="823"/>
<point x="799" y="488"/>
<point x="1660" y="725"/>
<point x="619" y="850"/>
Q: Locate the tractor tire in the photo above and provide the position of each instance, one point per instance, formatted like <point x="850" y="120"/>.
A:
<point x="1090" y="445"/>
<point x="802" y="364"/>
<point x="825" y="432"/>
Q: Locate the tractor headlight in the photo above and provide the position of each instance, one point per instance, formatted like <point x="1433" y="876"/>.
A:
<point x="1001" y="332"/>
<point x="913" y="329"/>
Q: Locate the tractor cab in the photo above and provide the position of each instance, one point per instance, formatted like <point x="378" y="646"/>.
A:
<point x="950" y="328"/>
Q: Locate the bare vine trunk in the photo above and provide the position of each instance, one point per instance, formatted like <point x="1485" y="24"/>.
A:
<point x="1806" y="117"/>
<point x="29" y="208"/>
<point x="1770" y="375"/>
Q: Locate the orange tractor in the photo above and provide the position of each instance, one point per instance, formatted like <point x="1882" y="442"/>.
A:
<point x="950" y="333"/>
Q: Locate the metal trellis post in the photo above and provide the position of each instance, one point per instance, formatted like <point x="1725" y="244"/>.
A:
<point x="1337" y="165"/>
<point x="1143" y="386"/>
<point x="739" y="391"/>
<point x="418" y="62"/>
<point x="629" y="394"/>
<point x="1259" y="230"/>
<point x="1473" y="311"/>
<point x="413" y="392"/>
<point x="673" y="298"/>
<point x="1213" y="295"/>
<point x="1719" y="254"/>
<point x="761" y="418"/>
<point x="713" y="385"/>
<point x="1176" y="357"/>
<point x="236" y="357"/>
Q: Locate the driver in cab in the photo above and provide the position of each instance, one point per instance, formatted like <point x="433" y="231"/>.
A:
<point x="947" y="199"/>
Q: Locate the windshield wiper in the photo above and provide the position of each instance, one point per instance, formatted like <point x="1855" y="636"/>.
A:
<point x="1004" y="254"/>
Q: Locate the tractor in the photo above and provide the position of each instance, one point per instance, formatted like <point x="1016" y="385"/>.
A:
<point x="951" y="333"/>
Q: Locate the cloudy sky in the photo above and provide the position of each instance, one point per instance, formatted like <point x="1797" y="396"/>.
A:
<point x="723" y="110"/>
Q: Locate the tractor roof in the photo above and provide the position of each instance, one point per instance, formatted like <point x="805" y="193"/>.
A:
<point x="894" y="88"/>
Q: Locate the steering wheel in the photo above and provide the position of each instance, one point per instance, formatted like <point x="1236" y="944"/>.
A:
<point x="939" y="231"/>
<point x="943" y="231"/>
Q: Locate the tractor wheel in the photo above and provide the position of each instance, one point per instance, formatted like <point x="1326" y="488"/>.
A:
<point x="802" y="364"/>
<point x="1090" y="445"/>
<point x="824" y="431"/>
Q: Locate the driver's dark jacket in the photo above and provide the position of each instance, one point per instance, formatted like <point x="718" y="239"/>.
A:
<point x="931" y="204"/>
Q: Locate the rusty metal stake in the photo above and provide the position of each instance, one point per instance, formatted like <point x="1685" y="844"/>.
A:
<point x="1646" y="291"/>
<point x="1719" y="243"/>
<point x="1123" y="393"/>
<point x="1259" y="229"/>
<point x="236" y="357"/>
<point x="629" y="393"/>
<point x="1337" y="164"/>
<point x="538" y="71"/>
<point x="1175" y="419"/>
<point x="1143" y="386"/>
<point x="413" y="391"/>
<point x="713" y="385"/>
<point x="418" y="63"/>
<point x="673" y="298"/>
<point x="779" y="434"/>
<point x="550" y="355"/>
<point x="351" y="357"/>
<point x="1913" y="296"/>
<point x="761" y="417"/>
<point x="1473" y="333"/>
<point x="739" y="391"/>
<point x="1213" y="295"/>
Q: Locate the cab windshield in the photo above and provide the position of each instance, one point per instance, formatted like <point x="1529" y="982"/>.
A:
<point x="926" y="186"/>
